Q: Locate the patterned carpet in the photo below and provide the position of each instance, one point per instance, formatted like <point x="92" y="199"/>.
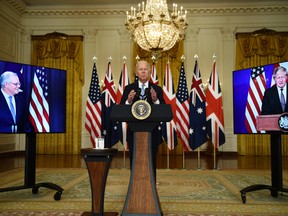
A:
<point x="181" y="193"/>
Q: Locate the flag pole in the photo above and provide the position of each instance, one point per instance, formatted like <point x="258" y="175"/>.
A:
<point x="214" y="146"/>
<point x="183" y="158"/>
<point x="124" y="158"/>
<point x="214" y="153"/>
<point x="168" y="158"/>
<point x="198" y="158"/>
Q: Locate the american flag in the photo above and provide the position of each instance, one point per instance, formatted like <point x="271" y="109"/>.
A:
<point x="39" y="106"/>
<point x="123" y="82"/>
<point x="93" y="108"/>
<point x="153" y="76"/>
<point x="214" y="110"/>
<point x="257" y="86"/>
<point x="169" y="128"/>
<point x="109" y="128"/>
<point x="198" y="126"/>
<point x="182" y="110"/>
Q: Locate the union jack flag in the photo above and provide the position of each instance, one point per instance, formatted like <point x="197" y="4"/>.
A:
<point x="169" y="128"/>
<point x="153" y="76"/>
<point x="123" y="82"/>
<point x="214" y="110"/>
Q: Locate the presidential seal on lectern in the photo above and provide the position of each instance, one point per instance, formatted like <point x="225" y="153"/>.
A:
<point x="141" y="109"/>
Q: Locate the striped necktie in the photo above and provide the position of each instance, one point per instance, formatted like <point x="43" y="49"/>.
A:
<point x="282" y="100"/>
<point x="142" y="93"/>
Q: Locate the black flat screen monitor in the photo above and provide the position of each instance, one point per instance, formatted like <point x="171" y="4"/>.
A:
<point x="248" y="89"/>
<point x="39" y="99"/>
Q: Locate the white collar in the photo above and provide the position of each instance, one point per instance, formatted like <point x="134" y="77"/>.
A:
<point x="145" y="84"/>
<point x="284" y="88"/>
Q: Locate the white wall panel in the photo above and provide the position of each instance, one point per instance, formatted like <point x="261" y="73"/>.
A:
<point x="8" y="41"/>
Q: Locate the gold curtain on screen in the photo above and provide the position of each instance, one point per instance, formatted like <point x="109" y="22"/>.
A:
<point x="65" y="52"/>
<point x="174" y="57"/>
<point x="254" y="49"/>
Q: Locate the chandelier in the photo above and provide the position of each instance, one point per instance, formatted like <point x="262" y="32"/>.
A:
<point x="153" y="29"/>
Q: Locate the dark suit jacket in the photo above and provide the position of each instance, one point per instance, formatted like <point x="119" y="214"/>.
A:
<point x="6" y="119"/>
<point x="156" y="134"/>
<point x="271" y="102"/>
<point x="134" y="86"/>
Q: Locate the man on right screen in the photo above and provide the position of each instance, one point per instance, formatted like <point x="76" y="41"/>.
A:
<point x="275" y="98"/>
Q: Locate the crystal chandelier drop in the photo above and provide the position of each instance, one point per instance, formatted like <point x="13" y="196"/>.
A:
<point x="153" y="29"/>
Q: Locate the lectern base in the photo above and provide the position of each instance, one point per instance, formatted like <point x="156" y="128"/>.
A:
<point x="104" y="214"/>
<point x="273" y="191"/>
<point x="142" y="198"/>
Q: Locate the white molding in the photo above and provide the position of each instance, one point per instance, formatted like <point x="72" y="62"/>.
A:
<point x="112" y="10"/>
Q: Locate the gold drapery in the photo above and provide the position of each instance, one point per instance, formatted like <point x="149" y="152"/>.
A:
<point x="174" y="57"/>
<point x="65" y="52"/>
<point x="261" y="47"/>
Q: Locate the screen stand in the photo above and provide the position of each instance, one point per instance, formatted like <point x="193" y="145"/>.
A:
<point x="276" y="171"/>
<point x="30" y="171"/>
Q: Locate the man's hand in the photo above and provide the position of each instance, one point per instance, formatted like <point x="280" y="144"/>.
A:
<point x="131" y="96"/>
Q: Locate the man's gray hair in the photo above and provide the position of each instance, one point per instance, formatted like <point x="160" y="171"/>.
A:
<point x="280" y="68"/>
<point x="149" y="67"/>
<point x="6" y="77"/>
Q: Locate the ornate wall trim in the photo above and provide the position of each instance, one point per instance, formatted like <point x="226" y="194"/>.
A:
<point x="23" y="9"/>
<point x="194" y="12"/>
<point x="18" y="5"/>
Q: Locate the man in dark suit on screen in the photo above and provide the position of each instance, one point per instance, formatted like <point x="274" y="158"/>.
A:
<point x="275" y="98"/>
<point x="153" y="94"/>
<point x="11" y="104"/>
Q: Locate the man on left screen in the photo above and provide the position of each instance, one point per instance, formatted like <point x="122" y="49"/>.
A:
<point x="11" y="104"/>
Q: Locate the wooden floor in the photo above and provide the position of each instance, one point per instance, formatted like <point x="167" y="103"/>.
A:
<point x="189" y="161"/>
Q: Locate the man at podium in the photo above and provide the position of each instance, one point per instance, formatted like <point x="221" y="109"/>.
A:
<point x="142" y="89"/>
<point x="274" y="100"/>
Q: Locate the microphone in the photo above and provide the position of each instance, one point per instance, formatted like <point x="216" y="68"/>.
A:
<point x="138" y="91"/>
<point x="147" y="93"/>
<point x="20" y="90"/>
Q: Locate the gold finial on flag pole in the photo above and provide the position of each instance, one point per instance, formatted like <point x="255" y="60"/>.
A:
<point x="214" y="57"/>
<point x="137" y="58"/>
<point x="110" y="58"/>
<point x="124" y="58"/>
<point x="94" y="59"/>
<point x="153" y="58"/>
<point x="168" y="61"/>
<point x="196" y="56"/>
<point x="183" y="58"/>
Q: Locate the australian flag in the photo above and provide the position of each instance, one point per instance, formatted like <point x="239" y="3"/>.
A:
<point x="109" y="128"/>
<point x="198" y="127"/>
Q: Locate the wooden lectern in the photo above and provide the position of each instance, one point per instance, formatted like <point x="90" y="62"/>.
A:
<point x="269" y="123"/>
<point x="142" y="197"/>
<point x="98" y="164"/>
